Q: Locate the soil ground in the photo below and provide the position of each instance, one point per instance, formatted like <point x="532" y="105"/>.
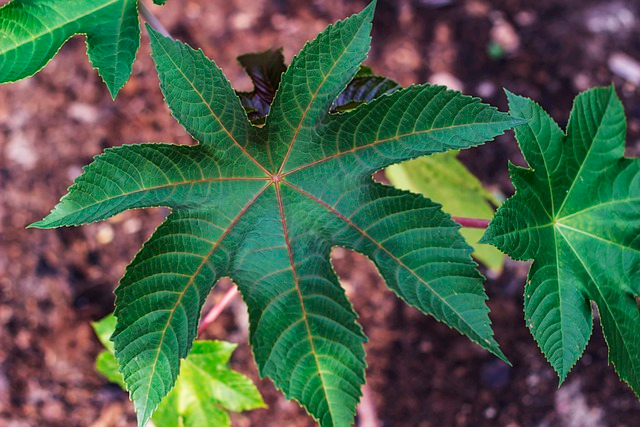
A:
<point x="53" y="283"/>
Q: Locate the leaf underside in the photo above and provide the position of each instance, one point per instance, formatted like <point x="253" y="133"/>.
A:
<point x="265" y="205"/>
<point x="32" y="31"/>
<point x="445" y="180"/>
<point x="576" y="213"/>
<point x="205" y="390"/>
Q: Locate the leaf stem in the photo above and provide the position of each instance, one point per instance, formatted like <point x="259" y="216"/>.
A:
<point x="367" y="414"/>
<point x="472" y="222"/>
<point x="217" y="309"/>
<point x="152" y="20"/>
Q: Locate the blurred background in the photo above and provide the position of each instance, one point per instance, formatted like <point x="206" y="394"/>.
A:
<point x="53" y="283"/>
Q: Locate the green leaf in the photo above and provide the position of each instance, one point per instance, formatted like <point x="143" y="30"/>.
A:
<point x="104" y="329"/>
<point x="576" y="214"/>
<point x="265" y="205"/>
<point x="107" y="365"/>
<point x="444" y="179"/>
<point x="205" y="390"/>
<point x="32" y="31"/>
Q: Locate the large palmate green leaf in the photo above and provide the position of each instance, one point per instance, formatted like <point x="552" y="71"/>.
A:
<point x="205" y="390"/>
<point x="576" y="212"/>
<point x="265" y="205"/>
<point x="32" y="31"/>
<point x="445" y="180"/>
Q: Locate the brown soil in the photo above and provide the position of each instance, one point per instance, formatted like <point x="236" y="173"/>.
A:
<point x="52" y="283"/>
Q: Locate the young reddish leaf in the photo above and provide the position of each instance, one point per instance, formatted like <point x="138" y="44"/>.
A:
<point x="576" y="213"/>
<point x="265" y="205"/>
<point x="265" y="70"/>
<point x="364" y="87"/>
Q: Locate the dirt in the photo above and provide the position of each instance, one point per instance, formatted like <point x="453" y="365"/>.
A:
<point x="53" y="283"/>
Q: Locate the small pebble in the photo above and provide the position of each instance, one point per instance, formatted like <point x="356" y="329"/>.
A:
<point x="504" y="35"/>
<point x="626" y="67"/>
<point x="490" y="413"/>
<point x="104" y="234"/>
<point x="610" y="18"/>
<point x="20" y="150"/>
<point x="525" y="18"/>
<point x="132" y="226"/>
<point x="242" y="21"/>
<point x="73" y="172"/>
<point x="486" y="89"/>
<point x="582" y="82"/>
<point x="446" y="79"/>
<point x="82" y="112"/>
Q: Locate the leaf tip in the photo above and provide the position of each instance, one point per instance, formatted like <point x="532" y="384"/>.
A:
<point x="143" y="417"/>
<point x="487" y="237"/>
<point x="515" y="104"/>
<point x="369" y="11"/>
<point x="154" y="35"/>
<point x="113" y="91"/>
<point x="144" y="408"/>
<point x="510" y="95"/>
<point x="494" y="348"/>
<point x="43" y="224"/>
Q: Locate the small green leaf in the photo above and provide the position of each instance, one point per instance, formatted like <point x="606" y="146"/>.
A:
<point x="265" y="205"/>
<point x="205" y="390"/>
<point x="576" y="213"/>
<point x="444" y="179"/>
<point x="104" y="329"/>
<point x="107" y="365"/>
<point x="32" y="31"/>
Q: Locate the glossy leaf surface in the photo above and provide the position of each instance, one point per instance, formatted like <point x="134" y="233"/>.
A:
<point x="265" y="205"/>
<point x="576" y="213"/>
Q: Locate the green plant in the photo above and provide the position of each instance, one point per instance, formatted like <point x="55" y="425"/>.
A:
<point x="576" y="213"/>
<point x="205" y="390"/>
<point x="283" y="173"/>
<point x="264" y="205"/>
